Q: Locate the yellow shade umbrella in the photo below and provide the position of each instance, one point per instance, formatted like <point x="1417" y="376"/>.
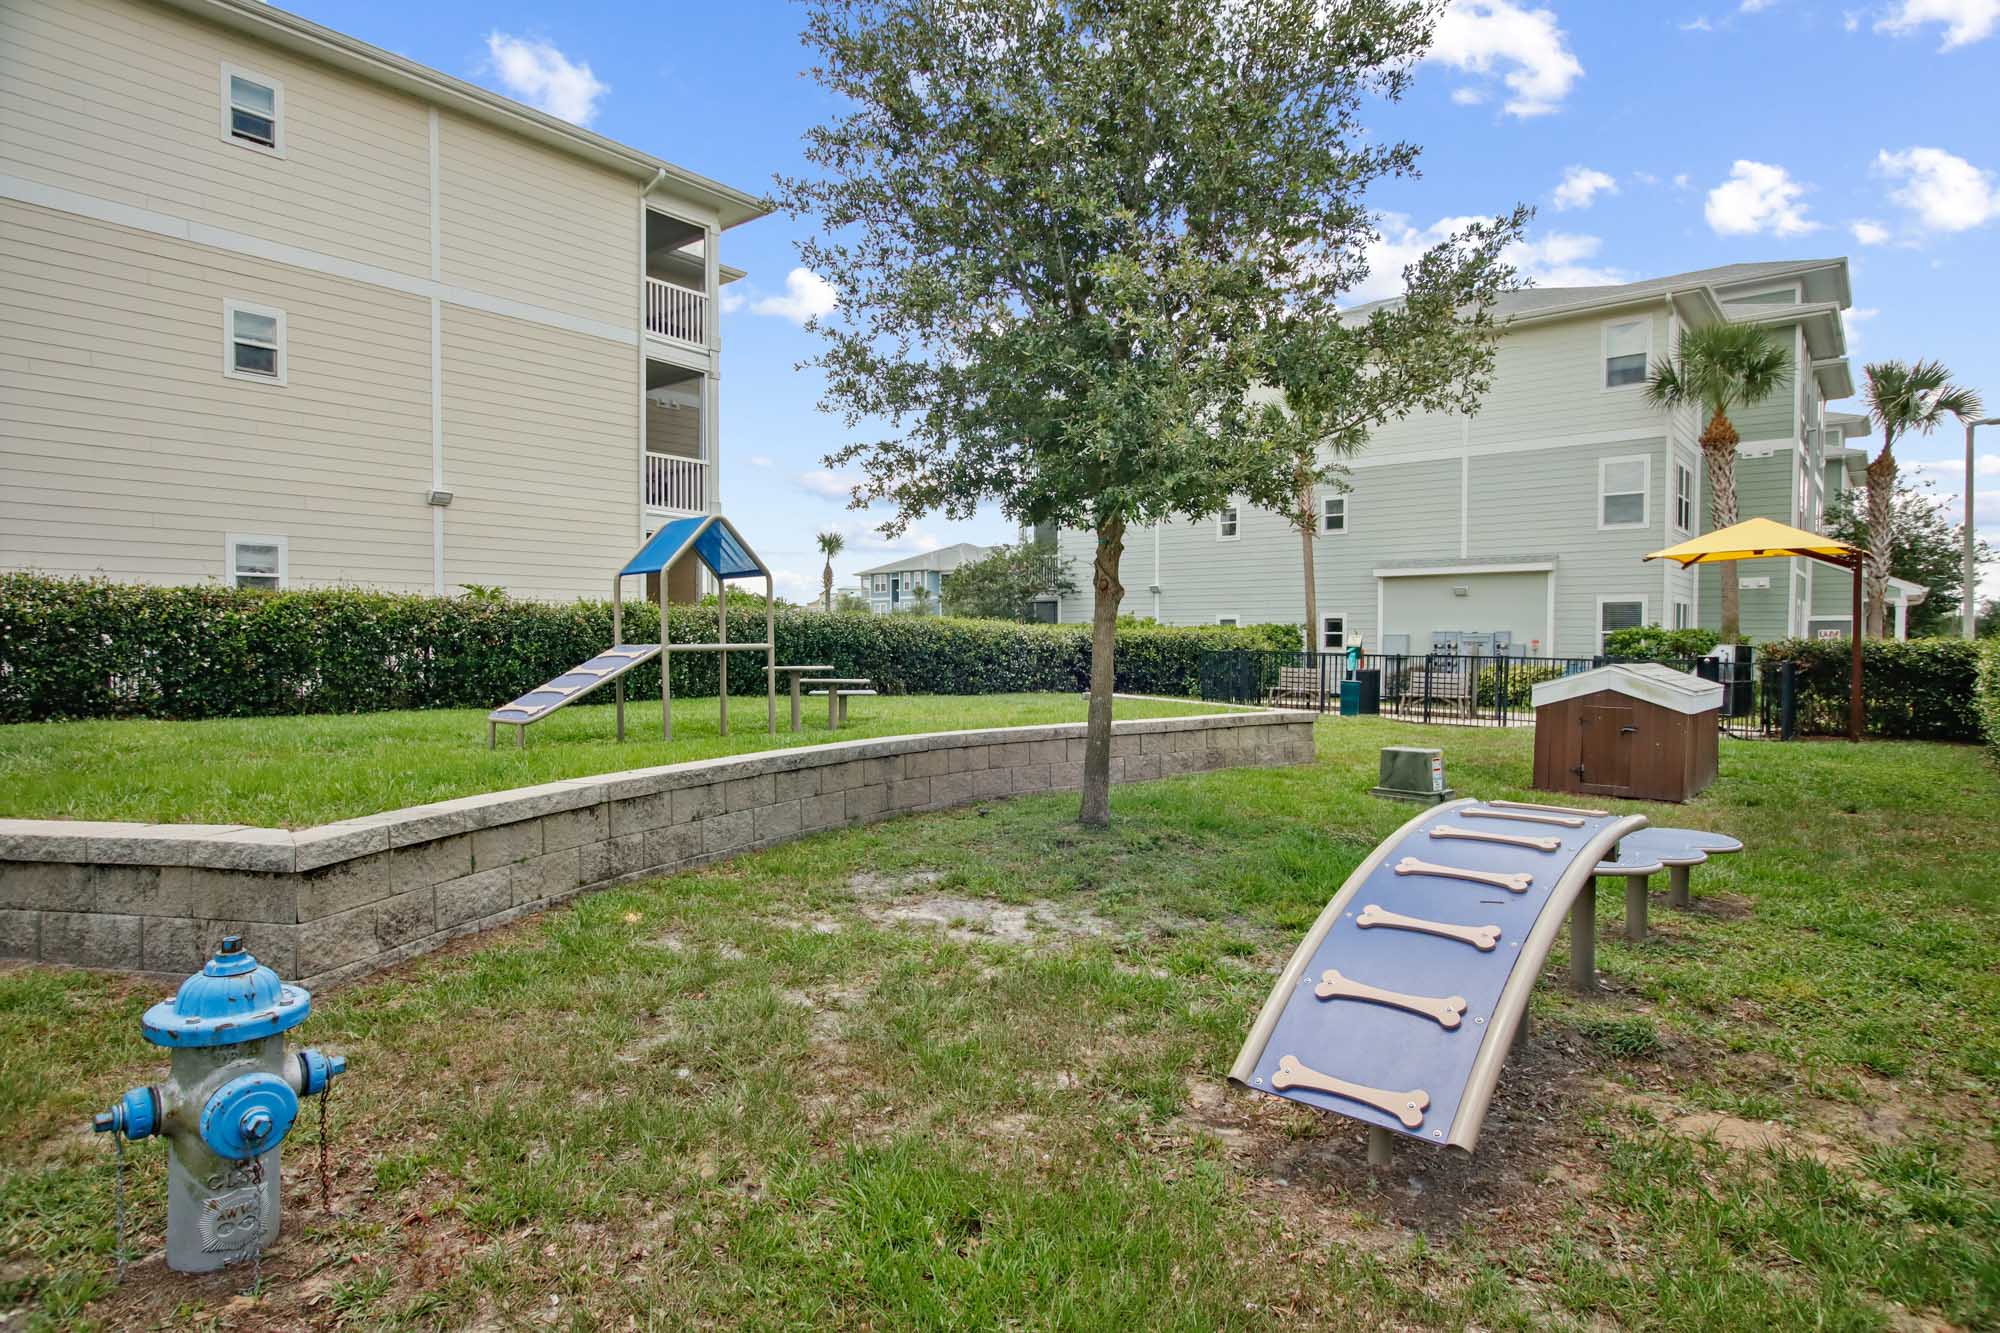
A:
<point x="1755" y="539"/>
<point x="1763" y="538"/>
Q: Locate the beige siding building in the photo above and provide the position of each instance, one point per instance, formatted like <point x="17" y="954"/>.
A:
<point x="300" y="312"/>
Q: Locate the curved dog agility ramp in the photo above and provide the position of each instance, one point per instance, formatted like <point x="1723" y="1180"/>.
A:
<point x="1401" y="1003"/>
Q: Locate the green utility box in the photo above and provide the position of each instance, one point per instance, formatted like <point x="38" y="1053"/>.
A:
<point x="1411" y="773"/>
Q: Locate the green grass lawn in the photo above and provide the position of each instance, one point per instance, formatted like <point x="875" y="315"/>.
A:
<point x="964" y="1070"/>
<point x="292" y="772"/>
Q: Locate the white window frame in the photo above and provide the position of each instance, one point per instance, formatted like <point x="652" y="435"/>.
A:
<point x="1233" y="622"/>
<point x="276" y="148"/>
<point x="1326" y="647"/>
<point x="1683" y="470"/>
<point x="1232" y="515"/>
<point x="1604" y="599"/>
<point x="1645" y="493"/>
<point x="880" y="586"/>
<point x="231" y="541"/>
<point x="1683" y="613"/>
<point x="1604" y="352"/>
<point x="232" y="304"/>
<point x="1340" y="500"/>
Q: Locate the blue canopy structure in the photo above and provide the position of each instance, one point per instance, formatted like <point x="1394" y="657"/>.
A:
<point x="715" y="541"/>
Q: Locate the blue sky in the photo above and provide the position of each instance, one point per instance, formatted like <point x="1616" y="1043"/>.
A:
<point x="1652" y="137"/>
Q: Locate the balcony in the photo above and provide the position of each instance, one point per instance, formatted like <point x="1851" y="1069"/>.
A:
<point x="676" y="312"/>
<point x="676" y="485"/>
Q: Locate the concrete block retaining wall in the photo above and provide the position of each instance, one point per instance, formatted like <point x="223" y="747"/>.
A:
<point x="325" y="904"/>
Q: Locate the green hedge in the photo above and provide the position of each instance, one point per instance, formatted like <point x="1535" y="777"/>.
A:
<point x="1918" y="690"/>
<point x="1987" y="695"/>
<point x="72" y="648"/>
<point x="1521" y="682"/>
<point x="1656" y="643"/>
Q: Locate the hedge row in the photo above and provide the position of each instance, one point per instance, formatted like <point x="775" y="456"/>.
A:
<point x="1916" y="690"/>
<point x="72" y="648"/>
<point x="1987" y="698"/>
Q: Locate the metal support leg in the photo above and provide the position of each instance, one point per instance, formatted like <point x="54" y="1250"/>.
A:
<point x="521" y="736"/>
<point x="795" y="700"/>
<point x="1381" y="1147"/>
<point x="843" y="710"/>
<point x="621" y="709"/>
<point x="1677" y="886"/>
<point x="1583" y="940"/>
<point x="1521" y="1034"/>
<point x="1635" y="908"/>
<point x="492" y="734"/>
<point x="832" y="708"/>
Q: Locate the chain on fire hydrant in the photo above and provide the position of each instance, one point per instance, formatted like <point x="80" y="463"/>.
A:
<point x="226" y="1106"/>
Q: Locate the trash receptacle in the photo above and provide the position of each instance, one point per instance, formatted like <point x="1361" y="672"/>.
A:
<point x="1370" y="682"/>
<point x="1350" y="698"/>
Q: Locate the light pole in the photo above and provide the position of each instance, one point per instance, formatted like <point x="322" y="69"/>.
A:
<point x="1970" y="597"/>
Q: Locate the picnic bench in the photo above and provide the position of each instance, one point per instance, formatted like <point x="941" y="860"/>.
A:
<point x="797" y="671"/>
<point x="839" y="689"/>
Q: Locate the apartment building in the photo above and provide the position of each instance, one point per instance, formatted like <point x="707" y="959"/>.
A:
<point x="915" y="583"/>
<point x="1522" y="526"/>
<point x="282" y="309"/>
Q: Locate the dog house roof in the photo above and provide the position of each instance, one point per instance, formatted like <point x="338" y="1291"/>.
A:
<point x="716" y="544"/>
<point x="1647" y="681"/>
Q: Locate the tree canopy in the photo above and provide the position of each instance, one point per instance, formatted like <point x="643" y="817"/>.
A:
<point x="1006" y="583"/>
<point x="1924" y="547"/>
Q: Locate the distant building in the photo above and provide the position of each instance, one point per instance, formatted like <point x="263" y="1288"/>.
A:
<point x="893" y="587"/>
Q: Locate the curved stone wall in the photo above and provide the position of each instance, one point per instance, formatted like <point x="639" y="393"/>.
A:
<point x="325" y="904"/>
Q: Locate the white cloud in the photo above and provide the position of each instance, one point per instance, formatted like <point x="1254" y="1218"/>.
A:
<point x="1485" y="36"/>
<point x="828" y="484"/>
<point x="1852" y="319"/>
<point x="1467" y="96"/>
<point x="1699" y="23"/>
<point x="1557" y="259"/>
<point x="543" y="77"/>
<point x="1965" y="21"/>
<point x="1756" y="6"/>
<point x="758" y="460"/>
<point x="1946" y="192"/>
<point x="1759" y="197"/>
<point x="1850" y="19"/>
<point x="807" y="296"/>
<point x="732" y="300"/>
<point x="1580" y="185"/>
<point x="1868" y="232"/>
<point x="1681" y="181"/>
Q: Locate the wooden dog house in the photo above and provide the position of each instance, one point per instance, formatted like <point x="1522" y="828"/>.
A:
<point x="1634" y="729"/>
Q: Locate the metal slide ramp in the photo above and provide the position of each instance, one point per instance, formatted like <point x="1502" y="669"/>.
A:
<point x="1401" y="1003"/>
<point x="570" y="686"/>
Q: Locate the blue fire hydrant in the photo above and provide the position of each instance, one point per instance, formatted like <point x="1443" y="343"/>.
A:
<point x="230" y="1097"/>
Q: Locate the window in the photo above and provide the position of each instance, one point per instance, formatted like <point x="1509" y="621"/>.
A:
<point x="253" y="111"/>
<point x="1683" y="497"/>
<point x="254" y="562"/>
<point x="1622" y="484"/>
<point x="253" y="342"/>
<point x="1616" y="613"/>
<point x="1332" y="633"/>
<point x="1627" y="344"/>
<point x="1333" y="513"/>
<point x="881" y="585"/>
<point x="1683" y="616"/>
<point x="1226" y="525"/>
<point x="1228" y="622"/>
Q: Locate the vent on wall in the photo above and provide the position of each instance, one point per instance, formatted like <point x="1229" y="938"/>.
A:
<point x="1460" y="590"/>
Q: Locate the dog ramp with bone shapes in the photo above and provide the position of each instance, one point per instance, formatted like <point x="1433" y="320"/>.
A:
<point x="1401" y="1003"/>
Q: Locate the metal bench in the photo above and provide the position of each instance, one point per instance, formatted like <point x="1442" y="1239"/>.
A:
<point x="1297" y="686"/>
<point x="838" y="691"/>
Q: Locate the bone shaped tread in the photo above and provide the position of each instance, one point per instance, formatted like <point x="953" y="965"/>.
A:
<point x="1525" y="817"/>
<point x="1448" y="1010"/>
<point x="1549" y="809"/>
<point x="1482" y="938"/>
<point x="1516" y="882"/>
<point x="1408" y="1107"/>
<point x="1504" y="839"/>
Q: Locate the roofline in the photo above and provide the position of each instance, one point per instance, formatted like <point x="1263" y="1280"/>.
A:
<point x="1704" y="292"/>
<point x="914" y="561"/>
<point x="1797" y="267"/>
<point x="732" y="206"/>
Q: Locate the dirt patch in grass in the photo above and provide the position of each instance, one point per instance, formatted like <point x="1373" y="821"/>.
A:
<point x="910" y="899"/>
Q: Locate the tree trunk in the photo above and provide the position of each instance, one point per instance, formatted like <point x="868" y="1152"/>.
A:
<point x="1881" y="520"/>
<point x="1110" y="592"/>
<point x="1308" y="526"/>
<point x="826" y="587"/>
<point x="1718" y="452"/>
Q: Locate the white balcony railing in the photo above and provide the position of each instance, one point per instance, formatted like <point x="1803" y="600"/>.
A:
<point x="677" y="312"/>
<point x="676" y="483"/>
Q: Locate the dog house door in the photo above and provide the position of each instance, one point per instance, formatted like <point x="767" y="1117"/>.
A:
<point x="1605" y="755"/>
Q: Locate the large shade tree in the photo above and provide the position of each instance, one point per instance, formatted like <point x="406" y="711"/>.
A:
<point x="1925" y="547"/>
<point x="1717" y="369"/>
<point x="1060" y="232"/>
<point x="1331" y="378"/>
<point x="1903" y="399"/>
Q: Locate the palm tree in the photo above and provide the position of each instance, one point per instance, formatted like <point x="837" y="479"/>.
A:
<point x="831" y="544"/>
<point x="1716" y="368"/>
<point x="1902" y="398"/>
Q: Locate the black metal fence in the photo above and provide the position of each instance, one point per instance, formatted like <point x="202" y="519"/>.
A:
<point x="1468" y="691"/>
